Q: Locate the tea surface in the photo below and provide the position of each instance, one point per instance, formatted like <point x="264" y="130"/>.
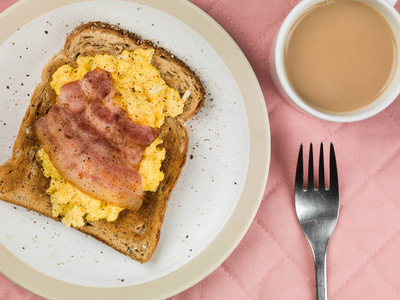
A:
<point x="340" y="55"/>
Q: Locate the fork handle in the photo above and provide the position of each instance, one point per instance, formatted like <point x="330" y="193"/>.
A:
<point x="320" y="274"/>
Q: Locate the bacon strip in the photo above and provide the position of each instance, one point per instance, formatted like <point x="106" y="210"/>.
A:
<point x="93" y="143"/>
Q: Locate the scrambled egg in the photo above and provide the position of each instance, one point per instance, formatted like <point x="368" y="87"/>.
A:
<point x="139" y="88"/>
<point x="140" y="91"/>
<point x="150" y="165"/>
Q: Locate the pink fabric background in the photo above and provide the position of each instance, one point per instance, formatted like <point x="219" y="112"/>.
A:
<point x="274" y="260"/>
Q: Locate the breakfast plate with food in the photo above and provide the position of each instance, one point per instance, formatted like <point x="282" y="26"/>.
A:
<point x="134" y="147"/>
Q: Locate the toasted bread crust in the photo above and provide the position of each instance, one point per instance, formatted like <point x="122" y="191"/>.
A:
<point x="134" y="233"/>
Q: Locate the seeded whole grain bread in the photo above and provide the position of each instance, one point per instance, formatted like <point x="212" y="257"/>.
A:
<point x="134" y="233"/>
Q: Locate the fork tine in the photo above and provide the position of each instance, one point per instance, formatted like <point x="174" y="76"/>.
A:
<point x="298" y="183"/>
<point x="310" y="170"/>
<point x="334" y="182"/>
<point x="321" y="179"/>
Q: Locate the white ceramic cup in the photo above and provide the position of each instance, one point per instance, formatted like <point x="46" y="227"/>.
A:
<point x="385" y="7"/>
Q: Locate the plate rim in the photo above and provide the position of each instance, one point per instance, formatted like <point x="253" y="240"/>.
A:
<point x="239" y="222"/>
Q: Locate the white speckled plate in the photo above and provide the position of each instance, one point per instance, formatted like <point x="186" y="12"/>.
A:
<point x="221" y="185"/>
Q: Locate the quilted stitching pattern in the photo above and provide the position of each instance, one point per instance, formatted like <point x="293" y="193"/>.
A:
<point x="362" y="260"/>
<point x="274" y="260"/>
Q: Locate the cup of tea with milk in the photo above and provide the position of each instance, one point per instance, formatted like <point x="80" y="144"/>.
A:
<point x="338" y="59"/>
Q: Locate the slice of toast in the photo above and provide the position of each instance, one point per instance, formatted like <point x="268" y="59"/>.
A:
<point x="134" y="233"/>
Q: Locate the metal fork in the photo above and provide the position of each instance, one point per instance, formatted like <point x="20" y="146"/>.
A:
<point x="317" y="210"/>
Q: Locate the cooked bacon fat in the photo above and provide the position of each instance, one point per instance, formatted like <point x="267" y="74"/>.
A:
<point x="93" y="143"/>
<point x="71" y="97"/>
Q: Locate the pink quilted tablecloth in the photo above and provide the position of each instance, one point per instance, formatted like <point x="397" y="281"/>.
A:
<point x="274" y="260"/>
